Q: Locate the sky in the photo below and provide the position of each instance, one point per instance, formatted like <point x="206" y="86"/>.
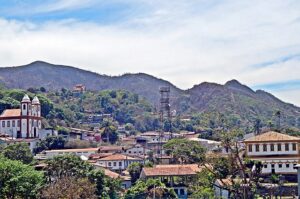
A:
<point x="183" y="41"/>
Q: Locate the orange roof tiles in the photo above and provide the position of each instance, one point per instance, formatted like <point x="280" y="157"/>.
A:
<point x="119" y="157"/>
<point x="194" y="167"/>
<point x="272" y="136"/>
<point x="11" y="113"/>
<point x="168" y="171"/>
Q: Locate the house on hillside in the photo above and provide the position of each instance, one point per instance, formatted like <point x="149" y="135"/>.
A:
<point x="25" y="122"/>
<point x="279" y="153"/>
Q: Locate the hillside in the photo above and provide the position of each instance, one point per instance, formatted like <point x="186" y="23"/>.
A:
<point x="240" y="104"/>
<point x="54" y="77"/>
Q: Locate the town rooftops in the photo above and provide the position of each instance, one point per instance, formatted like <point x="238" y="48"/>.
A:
<point x="272" y="136"/>
<point x="119" y="157"/>
<point x="11" y="113"/>
<point x="171" y="170"/>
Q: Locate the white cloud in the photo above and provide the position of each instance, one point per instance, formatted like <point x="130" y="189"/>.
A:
<point x="185" y="42"/>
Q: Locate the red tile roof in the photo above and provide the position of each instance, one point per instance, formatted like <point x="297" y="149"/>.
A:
<point x="11" y="113"/>
<point x="119" y="157"/>
<point x="172" y="171"/>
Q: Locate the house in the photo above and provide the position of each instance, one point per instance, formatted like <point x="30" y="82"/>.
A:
<point x="174" y="176"/>
<point x="221" y="188"/>
<point x="136" y="150"/>
<point x="43" y="133"/>
<point x="208" y="144"/>
<point x="78" y="89"/>
<point x="31" y="142"/>
<point x="125" y="180"/>
<point x="118" y="162"/>
<point x="279" y="153"/>
<point x="78" y="152"/>
<point x="24" y="122"/>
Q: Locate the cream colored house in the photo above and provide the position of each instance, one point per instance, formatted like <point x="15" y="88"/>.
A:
<point x="278" y="152"/>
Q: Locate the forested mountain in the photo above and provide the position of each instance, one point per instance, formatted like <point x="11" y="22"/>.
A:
<point x="239" y="104"/>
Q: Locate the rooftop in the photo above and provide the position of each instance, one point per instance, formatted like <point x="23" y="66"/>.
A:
<point x="73" y="150"/>
<point x="171" y="170"/>
<point x="119" y="157"/>
<point x="272" y="136"/>
<point x="11" y="113"/>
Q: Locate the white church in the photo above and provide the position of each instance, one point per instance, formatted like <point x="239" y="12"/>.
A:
<point x="25" y="122"/>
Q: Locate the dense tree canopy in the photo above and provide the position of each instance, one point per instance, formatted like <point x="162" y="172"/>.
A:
<point x="18" y="180"/>
<point x="185" y="151"/>
<point x="18" y="151"/>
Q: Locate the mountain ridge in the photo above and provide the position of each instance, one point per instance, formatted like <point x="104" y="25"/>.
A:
<point x="233" y="98"/>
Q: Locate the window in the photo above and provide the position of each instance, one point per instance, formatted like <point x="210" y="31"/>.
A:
<point x="24" y="107"/>
<point x="287" y="165"/>
<point x="13" y="123"/>
<point x="294" y="146"/>
<point x="257" y="148"/>
<point x="181" y="192"/>
<point x="3" y="123"/>
<point x="19" y="123"/>
<point x="265" y="147"/>
<point x="109" y="164"/>
<point x="265" y="166"/>
<point x="8" y="123"/>
<point x="120" y="164"/>
<point x="279" y="147"/>
<point x="287" y="147"/>
<point x="295" y="166"/>
<point x="272" y="147"/>
<point x="280" y="165"/>
<point x="115" y="164"/>
<point x="250" y="148"/>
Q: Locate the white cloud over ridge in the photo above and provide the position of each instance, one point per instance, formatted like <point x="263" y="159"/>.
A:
<point x="185" y="42"/>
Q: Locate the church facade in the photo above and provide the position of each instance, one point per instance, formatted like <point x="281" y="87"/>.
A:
<point x="25" y="122"/>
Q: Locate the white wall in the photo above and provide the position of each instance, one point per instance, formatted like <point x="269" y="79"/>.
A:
<point x="269" y="152"/>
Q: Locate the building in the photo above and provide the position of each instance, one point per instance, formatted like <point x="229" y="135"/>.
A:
<point x="25" y="122"/>
<point x="118" y="162"/>
<point x="174" y="176"/>
<point x="48" y="154"/>
<point x="279" y="153"/>
<point x="78" y="89"/>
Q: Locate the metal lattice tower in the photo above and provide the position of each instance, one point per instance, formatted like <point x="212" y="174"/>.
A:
<point x="164" y="112"/>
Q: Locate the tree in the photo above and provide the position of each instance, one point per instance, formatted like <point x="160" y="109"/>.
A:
<point x="109" y="132"/>
<point x="134" y="170"/>
<point x="67" y="165"/>
<point x="150" y="189"/>
<point x="18" y="180"/>
<point x="202" y="186"/>
<point x="185" y="151"/>
<point x="49" y="143"/>
<point x="69" y="187"/>
<point x="243" y="174"/>
<point x="18" y="151"/>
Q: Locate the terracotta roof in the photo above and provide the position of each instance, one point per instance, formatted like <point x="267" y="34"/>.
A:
<point x="99" y="155"/>
<point x="119" y="157"/>
<point x="111" y="174"/>
<point x="272" y="136"/>
<point x="194" y="167"/>
<point x="11" y="113"/>
<point x="168" y="171"/>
